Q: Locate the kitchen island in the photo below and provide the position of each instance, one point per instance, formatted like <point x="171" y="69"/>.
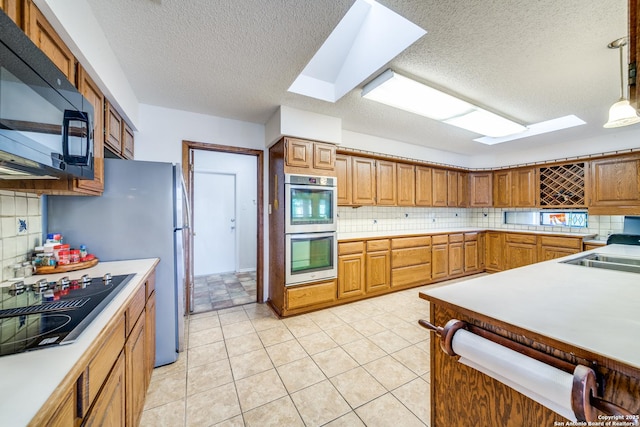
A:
<point x="576" y="314"/>
<point x="85" y="381"/>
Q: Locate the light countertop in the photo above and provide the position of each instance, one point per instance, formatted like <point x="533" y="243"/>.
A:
<point x="28" y="379"/>
<point x="395" y="233"/>
<point x="588" y="308"/>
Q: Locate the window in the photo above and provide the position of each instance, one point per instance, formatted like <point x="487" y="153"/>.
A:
<point x="576" y="219"/>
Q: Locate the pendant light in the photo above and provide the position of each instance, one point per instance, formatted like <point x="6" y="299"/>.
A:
<point x="621" y="113"/>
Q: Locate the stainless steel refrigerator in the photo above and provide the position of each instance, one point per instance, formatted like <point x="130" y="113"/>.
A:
<point x="142" y="213"/>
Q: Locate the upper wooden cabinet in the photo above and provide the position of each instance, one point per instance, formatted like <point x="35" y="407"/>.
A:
<point x="13" y="9"/>
<point x="515" y="188"/>
<point x="386" y="183"/>
<point x="463" y="189"/>
<point x="363" y="176"/>
<point x="343" y="175"/>
<point x="424" y="186"/>
<point x="615" y="185"/>
<point x="452" y="188"/>
<point x="44" y="36"/>
<point x="440" y="186"/>
<point x="480" y="189"/>
<point x="502" y="189"/>
<point x="127" y="142"/>
<point x="563" y="185"/>
<point x="309" y="157"/>
<point x="406" y="185"/>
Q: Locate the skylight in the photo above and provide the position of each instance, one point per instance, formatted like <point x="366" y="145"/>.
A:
<point x="367" y="37"/>
<point x="537" y="129"/>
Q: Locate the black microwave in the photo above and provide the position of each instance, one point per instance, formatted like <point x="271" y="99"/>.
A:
<point x="46" y="125"/>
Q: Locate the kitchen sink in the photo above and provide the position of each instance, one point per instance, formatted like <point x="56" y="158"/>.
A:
<point x="609" y="262"/>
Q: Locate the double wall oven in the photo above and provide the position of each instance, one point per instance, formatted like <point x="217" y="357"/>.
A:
<point x="311" y="242"/>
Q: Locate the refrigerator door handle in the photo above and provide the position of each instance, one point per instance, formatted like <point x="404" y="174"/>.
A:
<point x="187" y="206"/>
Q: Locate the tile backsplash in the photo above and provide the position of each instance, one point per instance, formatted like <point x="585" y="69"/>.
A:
<point x="20" y="228"/>
<point x="383" y="218"/>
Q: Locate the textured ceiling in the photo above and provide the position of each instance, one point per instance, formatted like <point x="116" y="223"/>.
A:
<point x="529" y="60"/>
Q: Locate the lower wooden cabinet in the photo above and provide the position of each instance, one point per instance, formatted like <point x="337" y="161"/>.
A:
<point x="351" y="281"/>
<point x="66" y="414"/>
<point x="150" y="336"/>
<point x="310" y="295"/>
<point x="494" y="251"/>
<point x="552" y="247"/>
<point x="135" y="371"/>
<point x="377" y="266"/>
<point x="456" y="254"/>
<point x="440" y="257"/>
<point x="410" y="261"/>
<point x="521" y="250"/>
<point x="109" y="407"/>
<point x="471" y="253"/>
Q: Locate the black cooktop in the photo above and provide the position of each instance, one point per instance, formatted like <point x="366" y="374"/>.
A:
<point x="52" y="313"/>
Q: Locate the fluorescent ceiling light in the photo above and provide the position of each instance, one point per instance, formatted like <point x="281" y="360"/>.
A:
<point x="537" y="129"/>
<point x="367" y="37"/>
<point x="392" y="89"/>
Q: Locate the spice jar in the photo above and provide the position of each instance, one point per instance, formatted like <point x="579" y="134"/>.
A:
<point x="74" y="256"/>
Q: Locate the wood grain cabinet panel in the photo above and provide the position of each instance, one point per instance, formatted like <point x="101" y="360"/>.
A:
<point x="615" y="183"/>
<point x="406" y="185"/>
<point x="109" y="407"/>
<point x="150" y="337"/>
<point x="456" y="254"/>
<point x="351" y="277"/>
<point x="378" y="271"/>
<point x="471" y="253"/>
<point x="552" y="247"/>
<point x="135" y="371"/>
<point x="439" y="261"/>
<point x="113" y="129"/>
<point x="463" y="189"/>
<point x="88" y="88"/>
<point x="127" y="141"/>
<point x="13" y="9"/>
<point x="480" y="189"/>
<point x="324" y="156"/>
<point x="410" y="261"/>
<point x="65" y="416"/>
<point x="424" y="186"/>
<point x="520" y="254"/>
<point x="502" y="189"/>
<point x="364" y="181"/>
<point x="524" y="188"/>
<point x="344" y="179"/>
<point x="494" y="251"/>
<point x="439" y="187"/>
<point x="298" y="153"/>
<point x="386" y="175"/>
<point x="452" y="188"/>
<point x="310" y="295"/>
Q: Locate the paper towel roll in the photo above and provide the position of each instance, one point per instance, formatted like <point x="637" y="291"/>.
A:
<point x="545" y="384"/>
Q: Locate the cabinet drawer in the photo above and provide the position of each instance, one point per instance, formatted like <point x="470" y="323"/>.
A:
<point x="410" y="242"/>
<point x="456" y="238"/>
<point x="410" y="256"/>
<point x="440" y="239"/>
<point x="561" y="242"/>
<point x="521" y="238"/>
<point x="470" y="237"/>
<point x="350" y="248"/>
<point x="416" y="274"/>
<point x="378" y="245"/>
<point x="305" y="296"/>
<point x="135" y="308"/>
<point x="106" y="356"/>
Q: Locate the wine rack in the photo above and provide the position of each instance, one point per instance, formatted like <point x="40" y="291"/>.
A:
<point x="563" y="186"/>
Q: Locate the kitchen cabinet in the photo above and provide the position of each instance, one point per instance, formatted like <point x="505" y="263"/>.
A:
<point x="520" y="250"/>
<point x="552" y="247"/>
<point x="386" y="173"/>
<point x="363" y="177"/>
<point x="456" y="254"/>
<point x="377" y="266"/>
<point x="424" y="186"/>
<point x="452" y="188"/>
<point x="113" y="129"/>
<point x="410" y="261"/>
<point x="45" y="37"/>
<point x="135" y="371"/>
<point x="502" y="189"/>
<point x="440" y="257"/>
<point x="524" y="188"/>
<point x="309" y="157"/>
<point x="406" y="184"/>
<point x="563" y="185"/>
<point x="150" y="333"/>
<point x="308" y="296"/>
<point x="127" y="141"/>
<point x="463" y="189"/>
<point x="589" y="246"/>
<point x="471" y="253"/>
<point x="344" y="180"/>
<point x="615" y="185"/>
<point x="13" y="9"/>
<point x="66" y="414"/>
<point x="109" y="408"/>
<point x="90" y="90"/>
<point x="494" y="251"/>
<point x="351" y="265"/>
<point x="440" y="187"/>
<point x="480" y="189"/>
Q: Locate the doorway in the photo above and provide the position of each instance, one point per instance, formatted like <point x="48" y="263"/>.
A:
<point x="224" y="248"/>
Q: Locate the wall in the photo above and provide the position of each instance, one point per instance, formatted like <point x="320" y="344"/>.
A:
<point x="382" y="218"/>
<point x="20" y="228"/>
<point x="244" y="168"/>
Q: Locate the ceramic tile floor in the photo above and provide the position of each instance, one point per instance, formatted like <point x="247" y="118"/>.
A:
<point x="218" y="291"/>
<point x="364" y="363"/>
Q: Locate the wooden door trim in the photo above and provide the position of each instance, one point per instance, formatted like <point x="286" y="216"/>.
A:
<point x="187" y="148"/>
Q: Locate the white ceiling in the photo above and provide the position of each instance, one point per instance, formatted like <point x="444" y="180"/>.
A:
<point x="528" y="60"/>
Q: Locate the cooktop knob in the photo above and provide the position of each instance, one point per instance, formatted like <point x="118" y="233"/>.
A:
<point x="40" y="285"/>
<point x="63" y="283"/>
<point x="106" y="278"/>
<point x="85" y="279"/>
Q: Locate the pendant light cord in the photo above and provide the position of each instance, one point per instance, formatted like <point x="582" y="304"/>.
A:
<point x="621" y="74"/>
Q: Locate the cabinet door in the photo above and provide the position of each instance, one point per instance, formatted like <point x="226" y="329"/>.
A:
<point x="351" y="281"/>
<point x="298" y="153"/>
<point x="343" y="175"/>
<point x="90" y="90"/>
<point x="452" y="188"/>
<point x="463" y="189"/>
<point x="109" y="407"/>
<point x="550" y="252"/>
<point x="424" y="186"/>
<point x="502" y="189"/>
<point x="45" y="37"/>
<point x="324" y="156"/>
<point x="113" y="129"/>
<point x="525" y="187"/>
<point x="127" y="141"/>
<point x="439" y="261"/>
<point x="520" y="254"/>
<point x="482" y="254"/>
<point x="440" y="187"/>
<point x="135" y="371"/>
<point x="615" y="182"/>
<point x="471" y="259"/>
<point x="456" y="258"/>
<point x="494" y="257"/>
<point x="480" y="194"/>
<point x="406" y="185"/>
<point x="150" y="337"/>
<point x="66" y="414"/>
<point x="386" y="183"/>
<point x="363" y="172"/>
<point x="378" y="271"/>
<point x="13" y="9"/>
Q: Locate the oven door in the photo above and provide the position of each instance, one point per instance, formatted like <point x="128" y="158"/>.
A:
<point x="310" y="208"/>
<point x="310" y="257"/>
